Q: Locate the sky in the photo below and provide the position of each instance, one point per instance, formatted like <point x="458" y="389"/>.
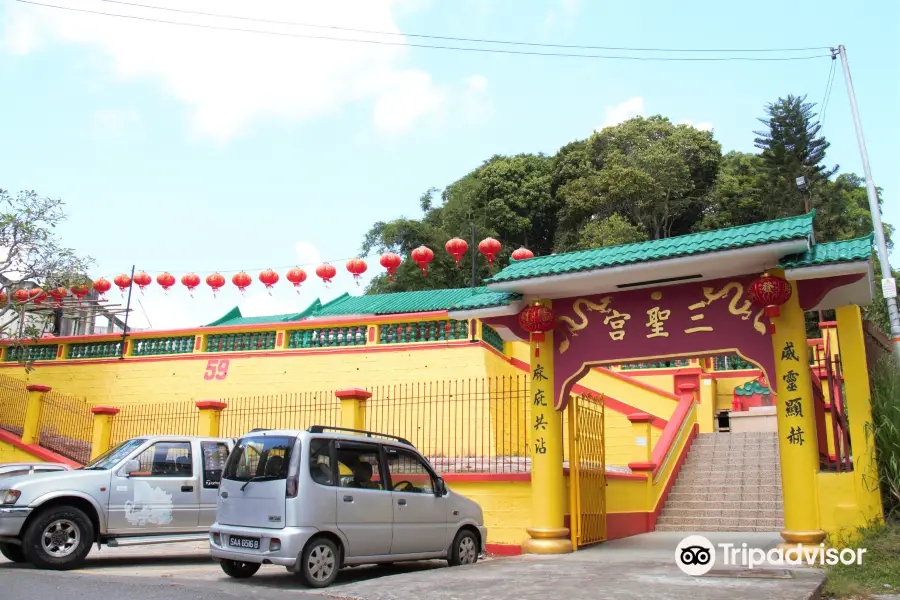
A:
<point x="191" y="149"/>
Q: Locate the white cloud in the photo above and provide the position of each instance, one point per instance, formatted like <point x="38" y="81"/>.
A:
<point x="115" y="124"/>
<point x="703" y="125"/>
<point x="613" y="115"/>
<point x="562" y="12"/>
<point x="230" y="79"/>
<point x="307" y="253"/>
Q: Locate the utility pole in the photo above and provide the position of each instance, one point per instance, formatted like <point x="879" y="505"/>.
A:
<point x="888" y="284"/>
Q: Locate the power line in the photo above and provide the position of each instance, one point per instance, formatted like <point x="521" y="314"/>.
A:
<point x="456" y="39"/>
<point x="433" y="47"/>
<point x="827" y="96"/>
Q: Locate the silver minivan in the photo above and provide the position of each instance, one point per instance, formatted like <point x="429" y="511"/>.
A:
<point x="314" y="501"/>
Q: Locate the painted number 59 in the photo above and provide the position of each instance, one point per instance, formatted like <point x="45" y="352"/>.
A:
<point x="216" y="369"/>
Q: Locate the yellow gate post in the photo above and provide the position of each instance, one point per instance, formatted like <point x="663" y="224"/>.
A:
<point x="548" y="487"/>
<point x="797" y="442"/>
<point x="102" y="429"/>
<point x="643" y="449"/>
<point x="353" y="407"/>
<point x="858" y="405"/>
<point x="30" y="430"/>
<point x="210" y="410"/>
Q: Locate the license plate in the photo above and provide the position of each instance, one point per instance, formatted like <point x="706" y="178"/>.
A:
<point x="243" y="542"/>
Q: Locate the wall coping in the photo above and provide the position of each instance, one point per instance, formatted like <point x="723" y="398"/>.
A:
<point x="105" y="410"/>
<point x="38" y="388"/>
<point x="353" y="394"/>
<point x="35" y="450"/>
<point x="641" y="417"/>
<point x="501" y="477"/>
<point x="211" y="404"/>
<point x="642" y="466"/>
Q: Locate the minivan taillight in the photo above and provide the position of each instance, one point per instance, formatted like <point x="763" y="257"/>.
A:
<point x="292" y="487"/>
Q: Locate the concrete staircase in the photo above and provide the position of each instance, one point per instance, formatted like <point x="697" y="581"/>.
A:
<point x="729" y="482"/>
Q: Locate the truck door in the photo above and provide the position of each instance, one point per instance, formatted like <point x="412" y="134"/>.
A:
<point x="163" y="496"/>
<point x="214" y="454"/>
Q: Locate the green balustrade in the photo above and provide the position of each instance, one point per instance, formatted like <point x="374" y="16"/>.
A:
<point x="732" y="363"/>
<point x="491" y="337"/>
<point x="663" y="364"/>
<point x="95" y="350"/>
<point x="423" y="331"/>
<point x="164" y="345"/>
<point x="241" y="342"/>
<point x="328" y="337"/>
<point x="29" y="353"/>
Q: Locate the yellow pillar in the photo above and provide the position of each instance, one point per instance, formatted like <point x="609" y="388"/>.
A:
<point x="706" y="417"/>
<point x="353" y="407"/>
<point x="643" y="449"/>
<point x="548" y="487"/>
<point x="31" y="429"/>
<point x="210" y="410"/>
<point x="858" y="404"/>
<point x="102" y="431"/>
<point x="797" y="442"/>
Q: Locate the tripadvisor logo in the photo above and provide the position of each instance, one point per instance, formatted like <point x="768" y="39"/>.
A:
<point x="696" y="555"/>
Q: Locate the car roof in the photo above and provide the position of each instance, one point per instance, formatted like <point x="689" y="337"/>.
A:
<point x="179" y="438"/>
<point x="373" y="437"/>
<point x="34" y="464"/>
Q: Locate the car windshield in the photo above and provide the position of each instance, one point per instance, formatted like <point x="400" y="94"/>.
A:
<point x="259" y="458"/>
<point x="114" y="456"/>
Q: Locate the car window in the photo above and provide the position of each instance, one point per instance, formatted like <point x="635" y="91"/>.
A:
<point x="408" y="472"/>
<point x="359" y="466"/>
<point x="13" y="473"/>
<point x="320" y="467"/>
<point x="262" y="458"/>
<point x="113" y="456"/>
<point x="166" y="459"/>
<point x="215" y="454"/>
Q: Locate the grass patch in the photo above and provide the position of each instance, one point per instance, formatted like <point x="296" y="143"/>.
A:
<point x="880" y="566"/>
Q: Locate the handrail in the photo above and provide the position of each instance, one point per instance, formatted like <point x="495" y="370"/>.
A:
<point x="660" y="469"/>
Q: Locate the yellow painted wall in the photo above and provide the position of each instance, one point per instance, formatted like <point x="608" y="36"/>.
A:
<point x="628" y="392"/>
<point x="663" y="382"/>
<point x="839" y="514"/>
<point x="626" y="496"/>
<point x="506" y="506"/>
<point x="725" y="389"/>
<point x="10" y="454"/>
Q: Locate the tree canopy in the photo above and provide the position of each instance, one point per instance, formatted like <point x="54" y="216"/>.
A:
<point x="643" y="179"/>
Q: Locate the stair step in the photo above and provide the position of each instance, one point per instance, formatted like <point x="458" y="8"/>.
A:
<point x="718" y="505"/>
<point x="702" y="528"/>
<point x="726" y="524"/>
<point x="726" y="514"/>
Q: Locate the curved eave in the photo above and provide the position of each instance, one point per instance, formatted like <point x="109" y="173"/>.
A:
<point x="488" y="311"/>
<point x="859" y="292"/>
<point x="672" y="271"/>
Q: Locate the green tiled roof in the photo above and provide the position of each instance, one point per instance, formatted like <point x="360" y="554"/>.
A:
<point x="743" y="236"/>
<point x="752" y="387"/>
<point x="831" y="252"/>
<point x="382" y="304"/>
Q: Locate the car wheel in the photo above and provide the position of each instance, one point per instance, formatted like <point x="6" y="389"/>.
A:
<point x="13" y="552"/>
<point x="59" y="539"/>
<point x="464" y="550"/>
<point x="239" y="569"/>
<point x="319" y="562"/>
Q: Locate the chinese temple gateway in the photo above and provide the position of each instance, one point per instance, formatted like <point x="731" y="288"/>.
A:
<point x="578" y="397"/>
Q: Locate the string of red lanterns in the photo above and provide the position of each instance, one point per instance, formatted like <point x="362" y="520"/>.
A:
<point x="422" y="256"/>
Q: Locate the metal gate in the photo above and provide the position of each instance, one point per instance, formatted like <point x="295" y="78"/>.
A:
<point x="587" y="470"/>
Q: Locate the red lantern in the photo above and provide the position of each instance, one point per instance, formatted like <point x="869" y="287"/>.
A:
<point x="190" y="281"/>
<point x="101" y="286"/>
<point x="296" y="276"/>
<point x="456" y="247"/>
<point x="326" y="272"/>
<point x="242" y="281"/>
<point x="37" y="295"/>
<point x="215" y="281"/>
<point x="123" y="282"/>
<point x="537" y="319"/>
<point x="4" y="298"/>
<point x="422" y="256"/>
<point x="770" y="292"/>
<point x="269" y="278"/>
<point x="58" y="293"/>
<point x="522" y="254"/>
<point x="357" y="267"/>
<point x="489" y="247"/>
<point x="20" y="296"/>
<point x="80" y="291"/>
<point x="142" y="280"/>
<point x="165" y="281"/>
<point x="390" y="261"/>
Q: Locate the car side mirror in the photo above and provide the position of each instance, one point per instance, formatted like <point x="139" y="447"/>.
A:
<point x="441" y="487"/>
<point x="130" y="466"/>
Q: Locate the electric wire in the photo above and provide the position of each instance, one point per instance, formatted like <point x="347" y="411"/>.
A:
<point x="453" y="38"/>
<point x="429" y="46"/>
<point x="827" y="95"/>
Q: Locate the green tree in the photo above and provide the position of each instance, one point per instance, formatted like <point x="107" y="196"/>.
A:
<point x="614" y="231"/>
<point x="738" y="195"/>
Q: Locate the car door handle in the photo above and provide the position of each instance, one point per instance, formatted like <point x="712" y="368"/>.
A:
<point x="187" y="488"/>
<point x="348" y="498"/>
<point x="401" y="502"/>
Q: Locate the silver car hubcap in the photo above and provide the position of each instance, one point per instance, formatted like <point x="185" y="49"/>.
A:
<point x="60" y="538"/>
<point x="321" y="563"/>
<point x="467" y="552"/>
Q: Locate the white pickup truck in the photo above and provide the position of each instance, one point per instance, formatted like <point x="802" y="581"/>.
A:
<point x="146" y="490"/>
